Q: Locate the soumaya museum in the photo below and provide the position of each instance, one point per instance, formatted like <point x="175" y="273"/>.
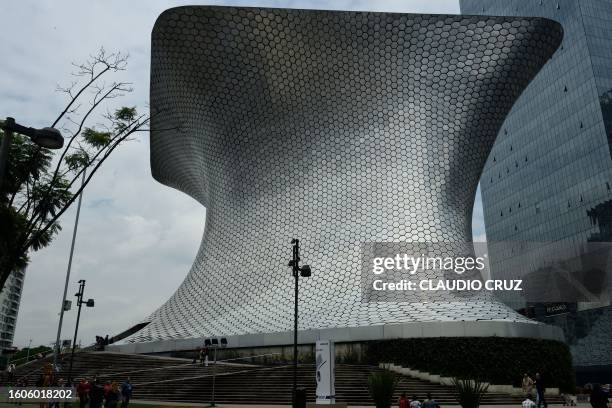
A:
<point x="349" y="128"/>
<point x="341" y="128"/>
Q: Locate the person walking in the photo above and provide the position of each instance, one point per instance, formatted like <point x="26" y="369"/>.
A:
<point x="540" y="390"/>
<point x="527" y="384"/>
<point x="56" y="383"/>
<point x="126" y="393"/>
<point x="61" y="383"/>
<point x="113" y="395"/>
<point x="106" y="391"/>
<point x="598" y="398"/>
<point x="10" y="372"/>
<point x="415" y="403"/>
<point x="205" y="356"/>
<point x="83" y="390"/>
<point x="528" y="402"/>
<point x="21" y="382"/>
<point x="430" y="402"/>
<point x="568" y="400"/>
<point x="96" y="395"/>
<point x="403" y="401"/>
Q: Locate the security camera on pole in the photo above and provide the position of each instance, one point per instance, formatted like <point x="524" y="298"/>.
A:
<point x="304" y="272"/>
<point x="80" y="302"/>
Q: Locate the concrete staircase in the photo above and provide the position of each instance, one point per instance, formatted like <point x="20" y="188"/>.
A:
<point x="177" y="380"/>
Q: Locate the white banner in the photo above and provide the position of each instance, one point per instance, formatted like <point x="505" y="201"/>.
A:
<point x="326" y="391"/>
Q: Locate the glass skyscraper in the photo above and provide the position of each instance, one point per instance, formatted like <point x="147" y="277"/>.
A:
<point x="549" y="175"/>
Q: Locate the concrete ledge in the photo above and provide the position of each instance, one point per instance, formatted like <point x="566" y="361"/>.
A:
<point x="435" y="378"/>
<point x="355" y="334"/>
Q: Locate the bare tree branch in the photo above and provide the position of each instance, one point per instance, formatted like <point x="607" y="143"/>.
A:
<point x="112" y="62"/>
<point x="107" y="153"/>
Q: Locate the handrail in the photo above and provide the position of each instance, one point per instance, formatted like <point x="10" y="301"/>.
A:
<point x="158" y="368"/>
<point x="31" y="357"/>
<point x="181" y="365"/>
<point x="222" y="374"/>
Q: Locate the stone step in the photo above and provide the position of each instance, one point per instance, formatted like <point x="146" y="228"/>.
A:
<point x="176" y="380"/>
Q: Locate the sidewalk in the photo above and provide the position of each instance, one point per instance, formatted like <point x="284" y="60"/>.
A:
<point x="187" y="404"/>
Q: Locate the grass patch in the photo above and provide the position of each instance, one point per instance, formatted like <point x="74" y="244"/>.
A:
<point x="163" y="406"/>
<point x="132" y="405"/>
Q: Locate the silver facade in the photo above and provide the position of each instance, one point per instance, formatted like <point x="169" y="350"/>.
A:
<point x="338" y="128"/>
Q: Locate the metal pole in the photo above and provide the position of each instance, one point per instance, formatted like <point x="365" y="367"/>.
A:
<point x="296" y="274"/>
<point x="4" y="149"/>
<point x="76" y="329"/>
<point x="29" y="347"/>
<point x="214" y="376"/>
<point x="74" y="233"/>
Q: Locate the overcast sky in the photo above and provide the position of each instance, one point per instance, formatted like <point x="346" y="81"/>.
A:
<point x="136" y="238"/>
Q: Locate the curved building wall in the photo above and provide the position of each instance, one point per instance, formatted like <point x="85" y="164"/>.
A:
<point x="337" y="128"/>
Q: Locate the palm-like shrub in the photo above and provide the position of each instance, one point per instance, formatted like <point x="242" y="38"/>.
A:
<point x="469" y="392"/>
<point x="382" y="386"/>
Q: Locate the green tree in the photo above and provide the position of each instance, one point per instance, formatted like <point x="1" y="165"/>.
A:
<point x="381" y="386"/>
<point x="24" y="355"/>
<point x="41" y="184"/>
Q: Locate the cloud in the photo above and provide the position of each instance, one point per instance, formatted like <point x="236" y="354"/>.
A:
<point x="478" y="227"/>
<point x="136" y="238"/>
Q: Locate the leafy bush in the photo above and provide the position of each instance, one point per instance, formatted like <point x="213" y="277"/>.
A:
<point x="381" y="386"/>
<point x="306" y="358"/>
<point x="230" y="354"/>
<point x="469" y="392"/>
<point x="496" y="360"/>
<point x="20" y="357"/>
<point x="350" y="357"/>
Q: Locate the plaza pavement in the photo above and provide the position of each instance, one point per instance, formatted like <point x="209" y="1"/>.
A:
<point x="184" y="404"/>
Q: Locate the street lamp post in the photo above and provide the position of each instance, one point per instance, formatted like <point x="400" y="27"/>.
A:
<point x="214" y="344"/>
<point x="212" y="403"/>
<point x="63" y="309"/>
<point x="29" y="348"/>
<point x="50" y="138"/>
<point x="88" y="303"/>
<point x="304" y="272"/>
